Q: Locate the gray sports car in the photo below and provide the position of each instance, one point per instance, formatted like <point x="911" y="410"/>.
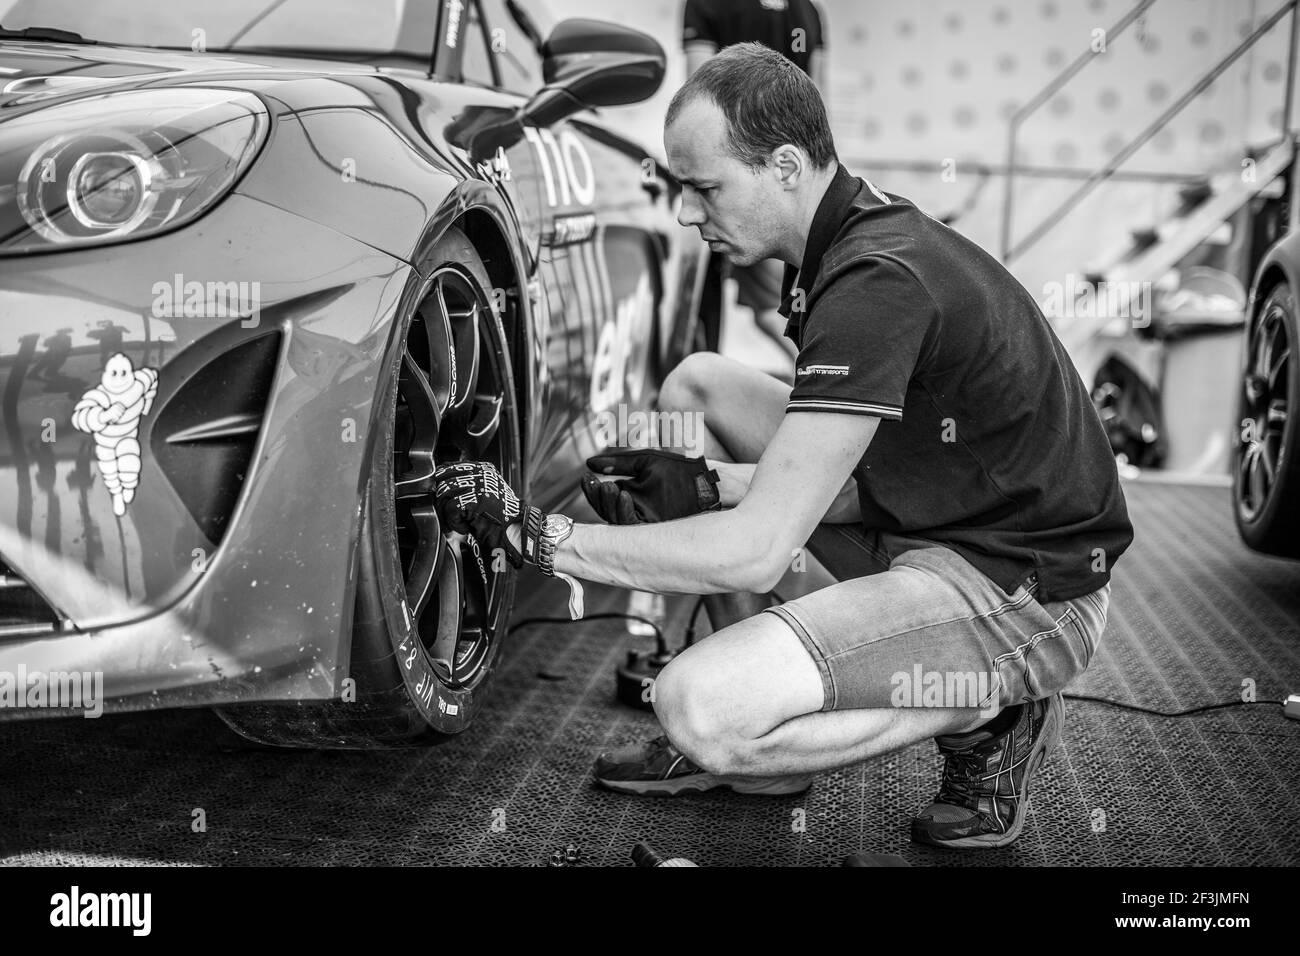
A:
<point x="263" y="266"/>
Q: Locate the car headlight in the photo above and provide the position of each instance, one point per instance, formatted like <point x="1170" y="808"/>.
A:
<point x="122" y="165"/>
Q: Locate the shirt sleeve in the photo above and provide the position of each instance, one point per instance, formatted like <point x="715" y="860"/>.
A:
<point x="863" y="341"/>
<point x="700" y="23"/>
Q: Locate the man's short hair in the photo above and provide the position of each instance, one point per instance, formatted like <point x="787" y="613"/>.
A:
<point x="767" y="101"/>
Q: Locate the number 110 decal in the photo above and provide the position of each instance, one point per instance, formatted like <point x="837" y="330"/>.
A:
<point x="565" y="164"/>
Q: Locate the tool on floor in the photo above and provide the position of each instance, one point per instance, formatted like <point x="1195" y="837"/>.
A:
<point x="569" y="856"/>
<point x="642" y="855"/>
<point x="635" y="677"/>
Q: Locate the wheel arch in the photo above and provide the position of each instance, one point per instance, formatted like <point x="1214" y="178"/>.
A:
<point x="489" y="238"/>
<point x="490" y="224"/>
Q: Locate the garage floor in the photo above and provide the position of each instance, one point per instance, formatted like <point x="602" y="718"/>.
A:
<point x="1194" y="615"/>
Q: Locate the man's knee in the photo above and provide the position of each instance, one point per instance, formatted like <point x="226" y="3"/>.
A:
<point x="683" y="701"/>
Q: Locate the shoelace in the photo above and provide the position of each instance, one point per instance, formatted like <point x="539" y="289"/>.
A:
<point x="961" y="774"/>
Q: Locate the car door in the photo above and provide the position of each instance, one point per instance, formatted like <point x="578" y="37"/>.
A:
<point x="600" y="214"/>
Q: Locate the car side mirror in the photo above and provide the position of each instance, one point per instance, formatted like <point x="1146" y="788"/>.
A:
<point x="589" y="63"/>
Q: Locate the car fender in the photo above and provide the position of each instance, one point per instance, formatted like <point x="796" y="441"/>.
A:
<point x="489" y="221"/>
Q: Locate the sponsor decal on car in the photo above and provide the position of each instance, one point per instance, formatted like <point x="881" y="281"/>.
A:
<point x="497" y="169"/>
<point x="618" y="342"/>
<point x="111" y="412"/>
<point x="571" y="229"/>
<point x="565" y="164"/>
<point x="454" y="9"/>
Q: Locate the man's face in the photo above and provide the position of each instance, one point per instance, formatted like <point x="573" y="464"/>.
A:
<point x="738" y="210"/>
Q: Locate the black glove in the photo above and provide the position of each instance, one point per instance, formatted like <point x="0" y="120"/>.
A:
<point x="663" y="486"/>
<point x="473" y="498"/>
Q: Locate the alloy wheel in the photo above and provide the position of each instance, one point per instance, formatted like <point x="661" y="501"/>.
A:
<point x="451" y="406"/>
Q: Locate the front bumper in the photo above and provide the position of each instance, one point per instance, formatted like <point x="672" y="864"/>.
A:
<point x="265" y="612"/>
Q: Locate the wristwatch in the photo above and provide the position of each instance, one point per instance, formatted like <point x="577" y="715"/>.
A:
<point x="555" y="528"/>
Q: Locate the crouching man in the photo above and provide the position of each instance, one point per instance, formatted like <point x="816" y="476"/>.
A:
<point x="933" y="412"/>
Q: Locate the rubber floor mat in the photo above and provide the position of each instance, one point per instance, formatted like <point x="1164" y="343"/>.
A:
<point x="1196" y="619"/>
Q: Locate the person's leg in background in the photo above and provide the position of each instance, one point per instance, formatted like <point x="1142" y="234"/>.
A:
<point x="737" y="410"/>
<point x="712" y="305"/>
<point x="759" y="289"/>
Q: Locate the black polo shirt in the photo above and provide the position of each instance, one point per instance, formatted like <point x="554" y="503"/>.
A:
<point x="770" y="22"/>
<point x="989" y="442"/>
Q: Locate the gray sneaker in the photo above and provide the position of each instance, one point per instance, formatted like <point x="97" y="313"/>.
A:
<point x="658" y="769"/>
<point x="984" y="796"/>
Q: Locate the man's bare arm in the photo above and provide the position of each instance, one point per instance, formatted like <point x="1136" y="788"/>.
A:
<point x="746" y="548"/>
<point x="735" y="479"/>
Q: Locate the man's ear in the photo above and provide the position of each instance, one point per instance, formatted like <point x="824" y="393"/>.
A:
<point x="789" y="165"/>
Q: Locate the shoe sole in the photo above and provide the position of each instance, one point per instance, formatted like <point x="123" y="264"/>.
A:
<point x="699" y="782"/>
<point x="1046" y="743"/>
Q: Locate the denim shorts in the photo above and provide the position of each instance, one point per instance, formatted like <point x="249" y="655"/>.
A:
<point x="924" y="627"/>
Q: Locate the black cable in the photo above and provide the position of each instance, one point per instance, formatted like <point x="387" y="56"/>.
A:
<point x="1179" y="713"/>
<point x="608" y="615"/>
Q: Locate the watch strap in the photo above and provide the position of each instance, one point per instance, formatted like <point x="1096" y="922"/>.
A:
<point x="532" y="533"/>
<point x="550" y="541"/>
<point x="546" y="555"/>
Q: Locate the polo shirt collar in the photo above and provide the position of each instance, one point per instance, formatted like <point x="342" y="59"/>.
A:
<point x="826" y="222"/>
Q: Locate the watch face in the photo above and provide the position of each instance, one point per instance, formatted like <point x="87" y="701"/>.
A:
<point x="556" y="524"/>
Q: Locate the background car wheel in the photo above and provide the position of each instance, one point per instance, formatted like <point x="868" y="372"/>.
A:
<point x="1266" y="473"/>
<point x="431" y="609"/>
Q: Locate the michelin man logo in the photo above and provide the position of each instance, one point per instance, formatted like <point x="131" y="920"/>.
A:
<point x="111" y="412"/>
